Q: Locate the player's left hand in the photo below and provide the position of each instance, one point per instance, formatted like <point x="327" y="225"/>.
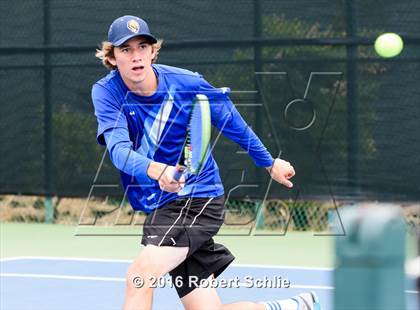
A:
<point x="282" y="171"/>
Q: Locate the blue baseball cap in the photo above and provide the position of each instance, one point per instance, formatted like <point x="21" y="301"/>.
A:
<point x="126" y="27"/>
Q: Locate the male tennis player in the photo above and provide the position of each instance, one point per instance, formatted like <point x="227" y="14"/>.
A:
<point x="142" y="115"/>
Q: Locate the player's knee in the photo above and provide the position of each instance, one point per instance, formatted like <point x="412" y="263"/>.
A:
<point x="136" y="280"/>
<point x="143" y="273"/>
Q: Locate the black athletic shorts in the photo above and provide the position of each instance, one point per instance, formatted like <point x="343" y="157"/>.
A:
<point x="190" y="222"/>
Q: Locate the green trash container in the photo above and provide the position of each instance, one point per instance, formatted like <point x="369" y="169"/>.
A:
<point x="370" y="258"/>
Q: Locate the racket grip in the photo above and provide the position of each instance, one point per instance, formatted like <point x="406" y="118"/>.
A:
<point x="178" y="172"/>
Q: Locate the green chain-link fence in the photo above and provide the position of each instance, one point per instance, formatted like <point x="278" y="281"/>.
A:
<point x="296" y="56"/>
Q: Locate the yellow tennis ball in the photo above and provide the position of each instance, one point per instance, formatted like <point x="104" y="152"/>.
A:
<point x="389" y="45"/>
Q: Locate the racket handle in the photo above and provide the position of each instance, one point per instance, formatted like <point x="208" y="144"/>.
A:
<point x="178" y="173"/>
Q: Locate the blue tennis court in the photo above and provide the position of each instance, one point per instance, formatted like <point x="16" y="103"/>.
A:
<point x="78" y="283"/>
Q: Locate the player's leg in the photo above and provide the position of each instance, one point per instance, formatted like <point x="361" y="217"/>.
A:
<point x="166" y="246"/>
<point x="203" y="298"/>
<point x="152" y="263"/>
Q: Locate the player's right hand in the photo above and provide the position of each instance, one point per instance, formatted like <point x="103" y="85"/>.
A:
<point x="164" y="174"/>
<point x="167" y="182"/>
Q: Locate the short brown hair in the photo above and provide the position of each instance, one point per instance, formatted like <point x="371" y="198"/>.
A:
<point x="107" y="51"/>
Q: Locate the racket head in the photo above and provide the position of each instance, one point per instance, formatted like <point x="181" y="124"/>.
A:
<point x="199" y="134"/>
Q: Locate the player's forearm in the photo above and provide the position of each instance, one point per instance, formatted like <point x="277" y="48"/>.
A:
<point x="255" y="148"/>
<point x="156" y="170"/>
<point x="124" y="157"/>
<point x="127" y="160"/>
<point x="236" y="129"/>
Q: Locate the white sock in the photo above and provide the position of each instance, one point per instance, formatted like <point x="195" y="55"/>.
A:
<point x="285" y="304"/>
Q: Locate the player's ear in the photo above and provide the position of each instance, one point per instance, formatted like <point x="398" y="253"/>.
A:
<point x="154" y="51"/>
<point x="111" y="60"/>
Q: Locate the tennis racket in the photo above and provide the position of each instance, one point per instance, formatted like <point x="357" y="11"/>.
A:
<point x="197" y="140"/>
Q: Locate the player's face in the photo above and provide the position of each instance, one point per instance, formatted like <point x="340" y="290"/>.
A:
<point x="134" y="59"/>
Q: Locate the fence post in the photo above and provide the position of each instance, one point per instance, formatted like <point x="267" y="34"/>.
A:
<point x="257" y="68"/>
<point x="259" y="217"/>
<point x="352" y="100"/>
<point x="49" y="208"/>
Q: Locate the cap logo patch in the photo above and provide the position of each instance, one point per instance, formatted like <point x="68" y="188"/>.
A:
<point x="133" y="26"/>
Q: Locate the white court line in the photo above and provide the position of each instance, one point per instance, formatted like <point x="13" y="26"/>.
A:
<point x="129" y="261"/>
<point x="316" y="287"/>
<point x="283" y="267"/>
<point x="62" y="277"/>
<point x="9" y="259"/>
<point x="112" y="279"/>
<point x="99" y="260"/>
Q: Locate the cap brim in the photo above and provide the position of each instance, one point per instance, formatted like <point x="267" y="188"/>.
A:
<point x="121" y="41"/>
